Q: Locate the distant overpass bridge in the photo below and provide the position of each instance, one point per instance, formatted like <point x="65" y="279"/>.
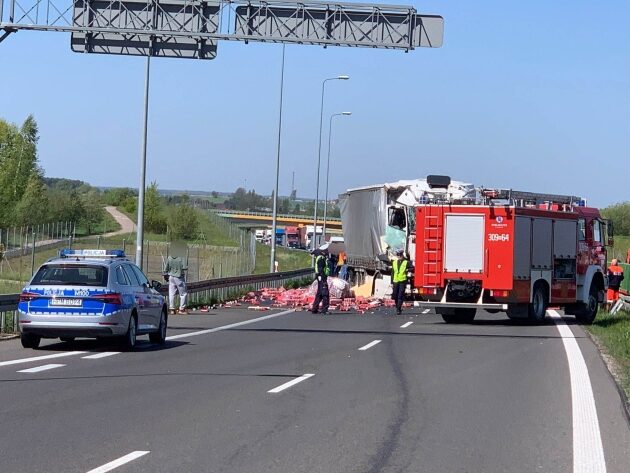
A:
<point x="264" y="219"/>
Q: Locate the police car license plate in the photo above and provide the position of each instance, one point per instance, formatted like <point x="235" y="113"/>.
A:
<point x="65" y="302"/>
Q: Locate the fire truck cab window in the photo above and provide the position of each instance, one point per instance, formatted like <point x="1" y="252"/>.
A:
<point x="397" y="218"/>
<point x="597" y="232"/>
<point x="581" y="229"/>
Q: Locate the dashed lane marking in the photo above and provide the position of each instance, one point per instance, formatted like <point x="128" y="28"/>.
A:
<point x="226" y="327"/>
<point x="37" y="369"/>
<point x="370" y="345"/>
<point x="40" y="358"/>
<point x="119" y="462"/>
<point x="104" y="354"/>
<point x="293" y="382"/>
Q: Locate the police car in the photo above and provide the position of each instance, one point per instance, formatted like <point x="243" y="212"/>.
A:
<point x="91" y="293"/>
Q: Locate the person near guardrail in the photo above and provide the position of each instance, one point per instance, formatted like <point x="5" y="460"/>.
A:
<point x="322" y="270"/>
<point x="175" y="271"/>
<point x="615" y="276"/>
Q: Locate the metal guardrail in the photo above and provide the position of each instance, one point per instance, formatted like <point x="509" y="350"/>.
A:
<point x="198" y="292"/>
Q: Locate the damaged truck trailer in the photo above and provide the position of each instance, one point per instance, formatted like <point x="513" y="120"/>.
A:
<point x="378" y="220"/>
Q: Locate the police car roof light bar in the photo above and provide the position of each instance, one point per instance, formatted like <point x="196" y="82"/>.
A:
<point x="69" y="253"/>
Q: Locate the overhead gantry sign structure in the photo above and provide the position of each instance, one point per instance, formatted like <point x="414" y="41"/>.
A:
<point x="191" y="29"/>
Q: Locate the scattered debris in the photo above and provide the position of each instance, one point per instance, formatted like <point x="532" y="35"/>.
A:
<point x="342" y="299"/>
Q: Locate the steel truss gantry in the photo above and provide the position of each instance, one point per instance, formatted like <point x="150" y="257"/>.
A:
<point x="190" y="28"/>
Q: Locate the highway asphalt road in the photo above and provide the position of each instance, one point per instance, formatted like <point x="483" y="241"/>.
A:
<point x="427" y="397"/>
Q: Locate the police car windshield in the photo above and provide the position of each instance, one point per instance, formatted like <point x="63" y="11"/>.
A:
<point x="70" y="275"/>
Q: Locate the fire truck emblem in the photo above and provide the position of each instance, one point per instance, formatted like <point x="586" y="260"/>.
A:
<point x="499" y="219"/>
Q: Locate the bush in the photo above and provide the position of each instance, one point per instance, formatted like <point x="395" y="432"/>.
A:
<point x="183" y="222"/>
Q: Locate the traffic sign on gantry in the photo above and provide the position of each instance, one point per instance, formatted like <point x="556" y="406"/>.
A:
<point x="190" y="29"/>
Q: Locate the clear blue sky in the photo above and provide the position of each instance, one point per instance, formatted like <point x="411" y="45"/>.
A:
<point x="526" y="95"/>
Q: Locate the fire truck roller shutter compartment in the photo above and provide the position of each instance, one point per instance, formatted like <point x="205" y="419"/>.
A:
<point x="565" y="239"/>
<point x="541" y="243"/>
<point x="464" y="247"/>
<point x="522" y="247"/>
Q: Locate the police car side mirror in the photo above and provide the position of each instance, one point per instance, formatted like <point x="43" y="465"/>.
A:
<point x="156" y="285"/>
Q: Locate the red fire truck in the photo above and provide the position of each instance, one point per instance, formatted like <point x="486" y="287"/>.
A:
<point x="517" y="252"/>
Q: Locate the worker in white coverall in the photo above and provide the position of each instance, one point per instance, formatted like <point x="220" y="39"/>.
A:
<point x="174" y="272"/>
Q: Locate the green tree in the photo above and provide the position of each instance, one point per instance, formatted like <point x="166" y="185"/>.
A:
<point x="33" y="206"/>
<point x="183" y="222"/>
<point x="619" y="214"/>
<point x="18" y="161"/>
<point x="92" y="210"/>
<point x="154" y="219"/>
<point x="65" y="206"/>
<point x="117" y="196"/>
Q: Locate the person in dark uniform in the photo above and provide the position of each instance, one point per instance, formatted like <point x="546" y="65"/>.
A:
<point x="322" y="270"/>
<point x="400" y="266"/>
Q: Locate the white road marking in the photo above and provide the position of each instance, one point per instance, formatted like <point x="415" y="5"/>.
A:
<point x="293" y="382"/>
<point x="226" y="327"/>
<point x="406" y="325"/>
<point x="37" y="369"/>
<point x="426" y="311"/>
<point x="370" y="345"/>
<point x="588" y="451"/>
<point x="121" y="461"/>
<point x="39" y="358"/>
<point x="101" y="355"/>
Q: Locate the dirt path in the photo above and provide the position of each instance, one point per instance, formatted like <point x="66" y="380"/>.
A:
<point x="126" y="224"/>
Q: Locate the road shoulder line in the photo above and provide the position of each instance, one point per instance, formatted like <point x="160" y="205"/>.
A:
<point x="588" y="450"/>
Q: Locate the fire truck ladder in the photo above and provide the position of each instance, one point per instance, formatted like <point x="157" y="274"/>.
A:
<point x="521" y="198"/>
<point x="432" y="246"/>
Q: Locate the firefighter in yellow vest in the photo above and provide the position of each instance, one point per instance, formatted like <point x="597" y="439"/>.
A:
<point x="400" y="266"/>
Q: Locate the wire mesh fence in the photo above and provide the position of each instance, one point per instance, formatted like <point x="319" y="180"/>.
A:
<point x="21" y="249"/>
<point x="234" y="256"/>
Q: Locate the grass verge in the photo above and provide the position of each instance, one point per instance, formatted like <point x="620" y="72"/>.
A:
<point x="612" y="333"/>
<point x="620" y="249"/>
<point x="288" y="259"/>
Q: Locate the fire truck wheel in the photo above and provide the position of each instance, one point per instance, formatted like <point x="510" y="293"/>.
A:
<point x="538" y="306"/>
<point x="587" y="313"/>
<point x="459" y="316"/>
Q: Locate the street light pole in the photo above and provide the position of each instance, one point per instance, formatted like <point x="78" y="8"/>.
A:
<point x="328" y="165"/>
<point x="319" y="156"/>
<point x="143" y="170"/>
<point x="272" y="265"/>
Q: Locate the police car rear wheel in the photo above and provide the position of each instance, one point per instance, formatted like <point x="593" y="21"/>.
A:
<point x="160" y="335"/>
<point x="30" y="341"/>
<point x="130" y="337"/>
